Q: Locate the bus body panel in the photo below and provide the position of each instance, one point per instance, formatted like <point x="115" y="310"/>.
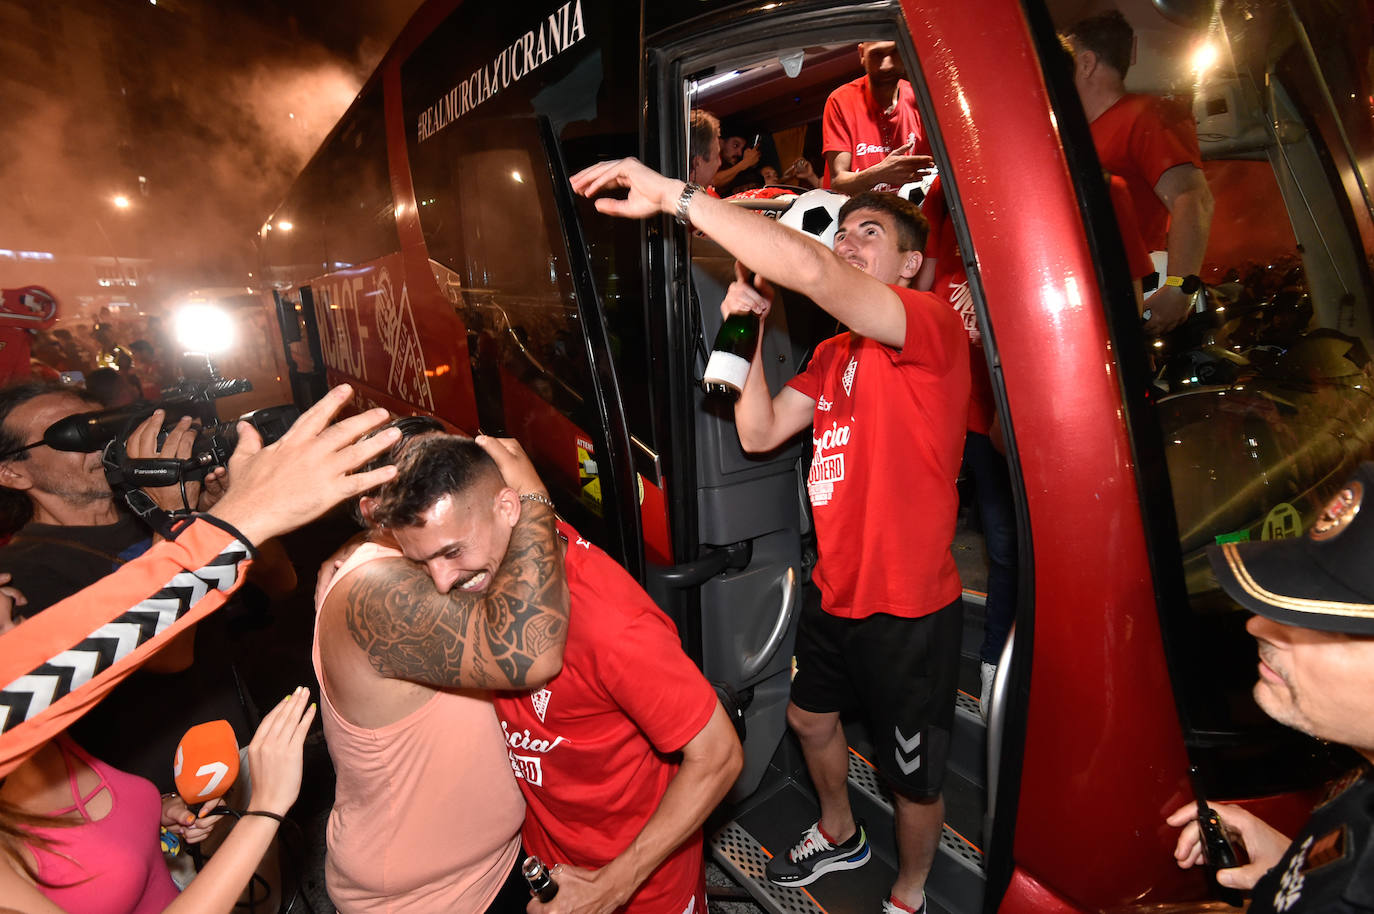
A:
<point x="1104" y="756"/>
<point x="1097" y="647"/>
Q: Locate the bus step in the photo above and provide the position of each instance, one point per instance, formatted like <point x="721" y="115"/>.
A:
<point x="773" y="822"/>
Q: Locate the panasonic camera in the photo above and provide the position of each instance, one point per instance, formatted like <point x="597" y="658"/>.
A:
<point x="108" y="430"/>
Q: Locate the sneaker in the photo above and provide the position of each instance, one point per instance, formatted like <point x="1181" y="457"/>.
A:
<point x="988" y="671"/>
<point x="814" y="856"/>
<point x="890" y="908"/>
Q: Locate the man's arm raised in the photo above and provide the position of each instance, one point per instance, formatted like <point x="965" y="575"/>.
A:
<point x="509" y="636"/>
<point x="780" y="254"/>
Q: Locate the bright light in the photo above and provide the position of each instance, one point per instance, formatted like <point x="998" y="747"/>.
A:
<point x="204" y="328"/>
<point x="121" y="201"/>
<point x="285" y="225"/>
<point x="515" y="176"/>
<point x="1203" y="58"/>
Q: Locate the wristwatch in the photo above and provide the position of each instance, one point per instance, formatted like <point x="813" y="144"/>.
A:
<point x="1185" y="284"/>
<point x="684" y="203"/>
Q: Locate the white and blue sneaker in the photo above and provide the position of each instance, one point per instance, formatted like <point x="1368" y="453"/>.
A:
<point x="814" y="856"/>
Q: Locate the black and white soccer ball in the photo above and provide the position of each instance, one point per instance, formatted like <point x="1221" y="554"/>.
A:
<point x="817" y="213"/>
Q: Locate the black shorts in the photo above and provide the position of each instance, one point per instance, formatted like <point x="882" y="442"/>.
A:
<point x="900" y="673"/>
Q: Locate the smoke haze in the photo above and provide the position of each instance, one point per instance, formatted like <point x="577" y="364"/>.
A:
<point x="201" y="116"/>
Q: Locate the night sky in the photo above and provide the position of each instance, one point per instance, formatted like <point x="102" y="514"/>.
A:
<point x="200" y="114"/>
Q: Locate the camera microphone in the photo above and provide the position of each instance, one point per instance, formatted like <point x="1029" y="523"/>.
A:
<point x="207" y="762"/>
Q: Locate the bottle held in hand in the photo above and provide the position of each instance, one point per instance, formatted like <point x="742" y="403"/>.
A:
<point x="541" y="882"/>
<point x="731" y="355"/>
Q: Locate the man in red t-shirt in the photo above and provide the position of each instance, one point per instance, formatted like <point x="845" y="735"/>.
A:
<point x="887" y="403"/>
<point x="623" y="752"/>
<point x="871" y="133"/>
<point x="1153" y="146"/>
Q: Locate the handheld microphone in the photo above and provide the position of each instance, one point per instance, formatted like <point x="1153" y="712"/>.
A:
<point x="207" y="762"/>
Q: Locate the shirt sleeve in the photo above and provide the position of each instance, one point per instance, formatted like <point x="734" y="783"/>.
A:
<point x="59" y="664"/>
<point x="656" y="685"/>
<point x="1163" y="137"/>
<point x="836" y="133"/>
<point x="935" y="337"/>
<point x="808" y="382"/>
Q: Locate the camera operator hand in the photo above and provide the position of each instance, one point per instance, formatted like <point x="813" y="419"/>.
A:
<point x="143" y="445"/>
<point x="212" y="488"/>
<point x="304" y="473"/>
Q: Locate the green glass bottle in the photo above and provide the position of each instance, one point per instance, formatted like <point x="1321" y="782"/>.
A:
<point x="731" y="355"/>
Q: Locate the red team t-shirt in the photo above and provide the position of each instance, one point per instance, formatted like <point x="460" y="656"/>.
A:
<point x="853" y="122"/>
<point x="1137" y="255"/>
<point x="888" y="437"/>
<point x="1139" y="138"/>
<point x="590" y="749"/>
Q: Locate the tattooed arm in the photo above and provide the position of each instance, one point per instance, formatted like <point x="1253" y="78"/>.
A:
<point x="509" y="636"/>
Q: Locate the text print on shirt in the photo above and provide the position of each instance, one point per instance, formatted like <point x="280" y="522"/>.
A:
<point x="528" y="767"/>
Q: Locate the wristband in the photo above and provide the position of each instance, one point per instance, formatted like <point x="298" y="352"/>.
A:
<point x="684" y="202"/>
<point x="1185" y="284"/>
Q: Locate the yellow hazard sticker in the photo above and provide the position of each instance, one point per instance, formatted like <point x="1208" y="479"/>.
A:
<point x="1282" y="523"/>
<point x="588" y="477"/>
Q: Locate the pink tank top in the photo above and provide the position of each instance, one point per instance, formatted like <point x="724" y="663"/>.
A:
<point x="426" y="811"/>
<point x="112" y="865"/>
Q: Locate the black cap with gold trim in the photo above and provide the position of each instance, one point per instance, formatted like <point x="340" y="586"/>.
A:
<point x="1323" y="579"/>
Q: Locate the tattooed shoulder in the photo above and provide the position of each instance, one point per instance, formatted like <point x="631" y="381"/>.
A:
<point x="407" y="629"/>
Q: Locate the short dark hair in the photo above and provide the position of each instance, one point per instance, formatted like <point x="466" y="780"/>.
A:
<point x="14" y="396"/>
<point x="429" y="465"/>
<point x="703" y="127"/>
<point x="16" y="508"/>
<point x="912" y="226"/>
<point x="1108" y="35"/>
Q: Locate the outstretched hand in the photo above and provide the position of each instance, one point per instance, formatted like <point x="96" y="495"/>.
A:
<point x="1264" y="844"/>
<point x="650" y="192"/>
<point x="306" y="472"/>
<point x="275" y="754"/>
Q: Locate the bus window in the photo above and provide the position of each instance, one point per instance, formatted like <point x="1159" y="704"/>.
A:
<point x="1264" y="394"/>
<point x="358" y="212"/>
<point x="490" y="224"/>
<point x="340" y="213"/>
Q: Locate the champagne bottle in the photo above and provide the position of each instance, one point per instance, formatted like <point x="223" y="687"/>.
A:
<point x="731" y="355"/>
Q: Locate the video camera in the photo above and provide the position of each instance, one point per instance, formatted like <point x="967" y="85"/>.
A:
<point x="108" y="430"/>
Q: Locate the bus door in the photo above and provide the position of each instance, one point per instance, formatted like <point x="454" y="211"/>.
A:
<point x="300" y="337"/>
<point x="767" y="76"/>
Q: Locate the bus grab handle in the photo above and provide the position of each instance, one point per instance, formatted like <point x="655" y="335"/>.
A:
<point x="755" y="663"/>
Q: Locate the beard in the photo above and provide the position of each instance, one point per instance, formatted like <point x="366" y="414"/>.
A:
<point x="77" y="490"/>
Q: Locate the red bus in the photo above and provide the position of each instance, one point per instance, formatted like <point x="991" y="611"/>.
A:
<point x="432" y="255"/>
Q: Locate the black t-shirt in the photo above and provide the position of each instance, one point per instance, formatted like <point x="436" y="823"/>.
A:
<point x="137" y="726"/>
<point x="1330" y="866"/>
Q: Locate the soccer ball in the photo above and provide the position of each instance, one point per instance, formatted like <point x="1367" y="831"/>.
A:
<point x="817" y="213"/>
